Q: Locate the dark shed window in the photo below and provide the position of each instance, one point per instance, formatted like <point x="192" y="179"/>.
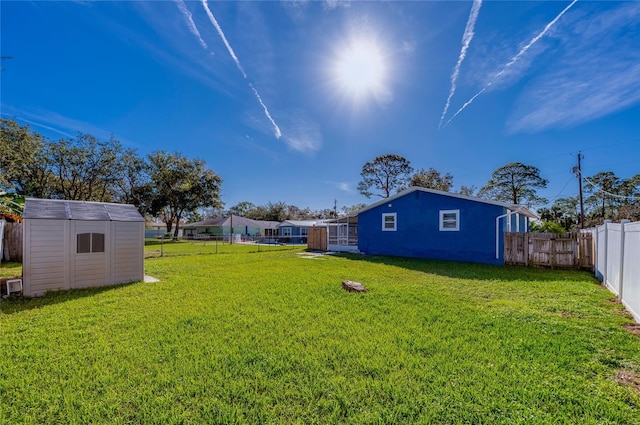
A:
<point x="84" y="243"/>
<point x="97" y="242"/>
<point x="90" y="242"/>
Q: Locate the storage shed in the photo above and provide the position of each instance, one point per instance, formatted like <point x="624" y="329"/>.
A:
<point x="77" y="244"/>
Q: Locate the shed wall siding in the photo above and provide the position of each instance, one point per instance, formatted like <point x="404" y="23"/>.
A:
<point x="46" y="244"/>
<point x="418" y="234"/>
<point x="128" y="252"/>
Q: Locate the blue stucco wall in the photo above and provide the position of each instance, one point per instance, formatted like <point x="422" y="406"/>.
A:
<point x="418" y="233"/>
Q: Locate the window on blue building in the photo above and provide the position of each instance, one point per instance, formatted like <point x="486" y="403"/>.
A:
<point x="449" y="220"/>
<point x="389" y="222"/>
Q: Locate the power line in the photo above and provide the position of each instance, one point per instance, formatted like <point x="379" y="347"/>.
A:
<point x="561" y="190"/>
<point x="635" y="198"/>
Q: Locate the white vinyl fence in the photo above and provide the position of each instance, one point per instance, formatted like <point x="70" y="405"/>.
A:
<point x="618" y="262"/>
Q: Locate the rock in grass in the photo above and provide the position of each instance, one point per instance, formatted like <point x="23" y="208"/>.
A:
<point x="353" y="286"/>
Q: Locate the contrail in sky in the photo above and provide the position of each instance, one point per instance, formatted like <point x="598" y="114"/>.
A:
<point x="466" y="40"/>
<point x="278" y="133"/>
<point x="190" y="22"/>
<point x="276" y="129"/>
<point x="224" y="39"/>
<point x="513" y="60"/>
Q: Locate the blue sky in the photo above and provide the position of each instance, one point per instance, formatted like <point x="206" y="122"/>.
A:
<point x="287" y="100"/>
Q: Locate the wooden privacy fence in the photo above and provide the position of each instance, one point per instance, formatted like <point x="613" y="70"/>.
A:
<point x="317" y="238"/>
<point x="12" y="242"/>
<point x="569" y="250"/>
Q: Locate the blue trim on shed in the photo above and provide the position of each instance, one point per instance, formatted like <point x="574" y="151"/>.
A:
<point x="418" y="231"/>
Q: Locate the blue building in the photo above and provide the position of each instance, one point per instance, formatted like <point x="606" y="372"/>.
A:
<point x="428" y="223"/>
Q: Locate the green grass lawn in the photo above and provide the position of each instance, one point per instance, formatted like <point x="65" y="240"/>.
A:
<point x="271" y="337"/>
<point x="10" y="269"/>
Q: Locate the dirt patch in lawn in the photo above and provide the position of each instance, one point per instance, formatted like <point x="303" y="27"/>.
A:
<point x="629" y="378"/>
<point x="634" y="328"/>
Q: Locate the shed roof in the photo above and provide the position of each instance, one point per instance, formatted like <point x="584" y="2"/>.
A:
<point x="61" y="209"/>
<point x="513" y="207"/>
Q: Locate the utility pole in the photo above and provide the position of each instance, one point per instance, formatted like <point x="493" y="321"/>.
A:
<point x="335" y="208"/>
<point x="578" y="172"/>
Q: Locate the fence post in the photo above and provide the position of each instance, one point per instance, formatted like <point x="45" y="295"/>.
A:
<point x="606" y="244"/>
<point x="621" y="265"/>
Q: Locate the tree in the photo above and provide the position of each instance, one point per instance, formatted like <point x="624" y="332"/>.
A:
<point x="180" y="187"/>
<point x="467" y="190"/>
<point x="25" y="166"/>
<point x="564" y="212"/>
<point x="631" y="192"/>
<point x="547" y="227"/>
<point x="432" y="179"/>
<point x="352" y="209"/>
<point x="386" y="173"/>
<point x="86" y="168"/>
<point x="278" y="211"/>
<point x="515" y="183"/>
<point x="133" y="183"/>
<point x="603" y="187"/>
<point x="242" y="209"/>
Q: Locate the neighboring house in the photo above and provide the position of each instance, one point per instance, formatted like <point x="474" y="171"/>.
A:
<point x="297" y="231"/>
<point x="429" y="223"/>
<point x="158" y="229"/>
<point x="223" y="227"/>
<point x="76" y="244"/>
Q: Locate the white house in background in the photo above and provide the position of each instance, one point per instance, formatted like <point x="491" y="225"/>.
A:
<point x="76" y="244"/>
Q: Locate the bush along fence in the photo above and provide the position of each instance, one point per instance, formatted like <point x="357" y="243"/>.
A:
<point x="569" y="250"/>
<point x="617" y="262"/>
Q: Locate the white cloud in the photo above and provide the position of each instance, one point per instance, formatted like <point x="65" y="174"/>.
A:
<point x="507" y="68"/>
<point x="190" y="23"/>
<point x="214" y="22"/>
<point x="408" y="47"/>
<point x="276" y="129"/>
<point x="466" y="41"/>
<point x="344" y="186"/>
<point x="597" y="75"/>
<point x="301" y="133"/>
<point x="333" y="4"/>
<point x="59" y="124"/>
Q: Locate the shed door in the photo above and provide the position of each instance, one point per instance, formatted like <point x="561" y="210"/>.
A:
<point x="90" y="252"/>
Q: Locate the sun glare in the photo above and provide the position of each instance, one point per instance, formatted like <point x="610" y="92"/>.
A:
<point x="360" y="70"/>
